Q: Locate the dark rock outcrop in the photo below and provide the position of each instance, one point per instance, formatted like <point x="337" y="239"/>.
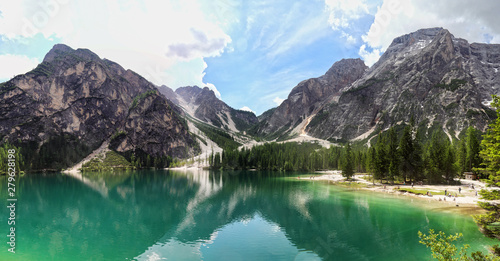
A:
<point x="77" y="95"/>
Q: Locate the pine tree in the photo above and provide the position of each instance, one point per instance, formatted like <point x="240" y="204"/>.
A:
<point x="348" y="164"/>
<point x="217" y="161"/>
<point x="437" y="153"/>
<point x="381" y="162"/>
<point x="407" y="150"/>
<point x="449" y="168"/>
<point x="490" y="152"/>
<point x="372" y="162"/>
<point x="393" y="155"/>
<point x="461" y="156"/>
<point x="472" y="158"/>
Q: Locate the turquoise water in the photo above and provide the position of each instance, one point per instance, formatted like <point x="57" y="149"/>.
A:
<point x="165" y="215"/>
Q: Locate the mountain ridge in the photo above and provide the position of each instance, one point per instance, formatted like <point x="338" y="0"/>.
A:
<point x="76" y="99"/>
<point x="428" y="74"/>
<point x="203" y="104"/>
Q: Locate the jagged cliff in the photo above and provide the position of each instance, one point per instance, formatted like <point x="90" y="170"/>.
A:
<point x="75" y="101"/>
<point x="441" y="81"/>
<point x="202" y="104"/>
<point x="308" y="97"/>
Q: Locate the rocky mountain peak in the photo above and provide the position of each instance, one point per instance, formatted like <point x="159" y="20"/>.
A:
<point x="342" y="72"/>
<point x="77" y="98"/>
<point x="62" y="50"/>
<point x="57" y="50"/>
<point x="441" y="81"/>
<point x="203" y="104"/>
<point x="422" y="34"/>
<point x="169" y="94"/>
<point x="308" y="97"/>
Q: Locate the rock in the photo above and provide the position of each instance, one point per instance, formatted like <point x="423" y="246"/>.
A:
<point x="441" y="81"/>
<point x="202" y="104"/>
<point x="78" y="96"/>
<point x="310" y="96"/>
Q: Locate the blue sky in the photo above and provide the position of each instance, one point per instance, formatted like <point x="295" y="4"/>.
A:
<point x="251" y="53"/>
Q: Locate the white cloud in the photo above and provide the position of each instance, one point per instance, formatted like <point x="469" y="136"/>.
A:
<point x="476" y="22"/>
<point x="184" y="73"/>
<point x="278" y="101"/>
<point x="149" y="37"/>
<point x="245" y="108"/>
<point x="212" y="87"/>
<point x="369" y="57"/>
<point x="13" y="65"/>
<point x="342" y="12"/>
<point x="350" y="40"/>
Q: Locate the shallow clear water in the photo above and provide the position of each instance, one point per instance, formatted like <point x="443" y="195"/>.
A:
<point x="157" y="215"/>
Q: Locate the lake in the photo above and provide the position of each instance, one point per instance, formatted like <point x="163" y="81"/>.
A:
<point x="245" y="215"/>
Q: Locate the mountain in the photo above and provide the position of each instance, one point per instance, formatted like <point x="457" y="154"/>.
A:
<point x="308" y="97"/>
<point x="74" y="101"/>
<point x="203" y="104"/>
<point x="441" y="81"/>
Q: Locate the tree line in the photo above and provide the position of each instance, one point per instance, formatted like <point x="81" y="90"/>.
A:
<point x="391" y="157"/>
<point x="481" y="157"/>
<point x="4" y="156"/>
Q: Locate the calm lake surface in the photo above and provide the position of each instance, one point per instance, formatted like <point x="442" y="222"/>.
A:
<point x="168" y="215"/>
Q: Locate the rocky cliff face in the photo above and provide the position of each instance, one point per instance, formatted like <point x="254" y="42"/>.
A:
<point x="204" y="105"/>
<point x="309" y="96"/>
<point x="442" y="81"/>
<point x="75" y="95"/>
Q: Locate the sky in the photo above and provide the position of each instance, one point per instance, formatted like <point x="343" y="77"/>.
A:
<point x="251" y="53"/>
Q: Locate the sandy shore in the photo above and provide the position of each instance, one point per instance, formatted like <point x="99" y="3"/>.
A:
<point x="464" y="195"/>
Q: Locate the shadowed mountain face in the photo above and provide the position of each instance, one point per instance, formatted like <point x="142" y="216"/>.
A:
<point x="442" y="81"/>
<point x="204" y="105"/>
<point x="311" y="95"/>
<point x="77" y="100"/>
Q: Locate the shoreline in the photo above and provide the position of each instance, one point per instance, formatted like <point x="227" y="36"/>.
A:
<point x="463" y="199"/>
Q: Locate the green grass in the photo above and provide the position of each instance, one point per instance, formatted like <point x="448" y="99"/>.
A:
<point x="423" y="191"/>
<point x="7" y="86"/>
<point x="221" y="138"/>
<point x="352" y="184"/>
<point x="109" y="162"/>
<point x="43" y="69"/>
<point x="140" y="97"/>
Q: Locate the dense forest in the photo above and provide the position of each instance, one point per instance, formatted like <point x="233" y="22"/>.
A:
<point x="4" y="156"/>
<point x="391" y="156"/>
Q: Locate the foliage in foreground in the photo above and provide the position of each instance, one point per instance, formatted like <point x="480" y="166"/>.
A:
<point x="490" y="148"/>
<point x="442" y="248"/>
<point x="490" y="154"/>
